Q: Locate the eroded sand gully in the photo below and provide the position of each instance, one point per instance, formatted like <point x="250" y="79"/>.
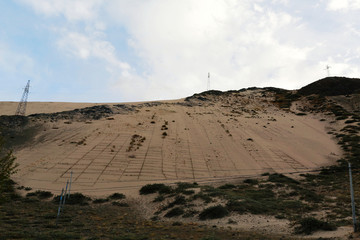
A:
<point x="203" y="143"/>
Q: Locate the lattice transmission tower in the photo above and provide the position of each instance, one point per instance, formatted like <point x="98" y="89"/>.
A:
<point x="21" y="109"/>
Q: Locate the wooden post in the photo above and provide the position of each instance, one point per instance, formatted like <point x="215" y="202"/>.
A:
<point x="352" y="199"/>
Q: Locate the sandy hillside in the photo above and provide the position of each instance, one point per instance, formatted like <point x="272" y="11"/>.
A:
<point x="9" y="108"/>
<point x="239" y="135"/>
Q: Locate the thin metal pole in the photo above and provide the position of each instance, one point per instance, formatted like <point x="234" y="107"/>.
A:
<point x="352" y="199"/>
<point x="70" y="184"/>
<point x="59" y="209"/>
<point x="67" y="183"/>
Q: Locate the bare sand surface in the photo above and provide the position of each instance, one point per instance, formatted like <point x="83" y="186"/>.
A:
<point x="239" y="137"/>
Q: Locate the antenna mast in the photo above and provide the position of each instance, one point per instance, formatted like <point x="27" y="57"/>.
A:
<point x="21" y="109"/>
<point x="208" y="83"/>
<point x="328" y="70"/>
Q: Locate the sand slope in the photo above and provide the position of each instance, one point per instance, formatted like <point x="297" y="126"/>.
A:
<point x="239" y="136"/>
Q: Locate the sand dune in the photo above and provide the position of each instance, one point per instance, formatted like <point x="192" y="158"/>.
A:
<point x="238" y="136"/>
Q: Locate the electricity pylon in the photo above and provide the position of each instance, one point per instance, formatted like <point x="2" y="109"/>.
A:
<point x="208" y="83"/>
<point x="328" y="70"/>
<point x="21" y="109"/>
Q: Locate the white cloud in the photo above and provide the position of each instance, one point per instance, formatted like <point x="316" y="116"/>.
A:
<point x="343" y="5"/>
<point x="236" y="41"/>
<point x="84" y="47"/>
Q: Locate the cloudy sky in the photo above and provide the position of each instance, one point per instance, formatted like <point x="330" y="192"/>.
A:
<point x="135" y="50"/>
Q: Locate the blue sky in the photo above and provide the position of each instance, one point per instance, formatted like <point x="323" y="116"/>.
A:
<point x="136" y="50"/>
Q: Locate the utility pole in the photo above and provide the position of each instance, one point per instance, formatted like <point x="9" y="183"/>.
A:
<point x="208" y="83"/>
<point x="327" y="70"/>
<point x="21" y="109"/>
<point x="352" y="199"/>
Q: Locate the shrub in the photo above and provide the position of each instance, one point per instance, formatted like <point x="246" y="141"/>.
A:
<point x="309" y="225"/>
<point x="100" y="200"/>
<point x="117" y="196"/>
<point x="120" y="204"/>
<point x="227" y="186"/>
<point x="156" y="187"/>
<point x="174" y="212"/>
<point x="280" y="178"/>
<point x="179" y="200"/>
<point x="159" y="198"/>
<point x="213" y="212"/>
<point x="165" y="190"/>
<point x="183" y="186"/>
<point x="251" y="181"/>
<point x="75" y="198"/>
<point x="40" y="194"/>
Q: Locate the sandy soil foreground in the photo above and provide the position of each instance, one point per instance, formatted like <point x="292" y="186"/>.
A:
<point x="171" y="142"/>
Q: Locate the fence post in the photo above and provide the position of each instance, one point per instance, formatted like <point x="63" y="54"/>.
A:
<point x="59" y="209"/>
<point x="352" y="199"/>
<point x="70" y="184"/>
<point x="67" y="183"/>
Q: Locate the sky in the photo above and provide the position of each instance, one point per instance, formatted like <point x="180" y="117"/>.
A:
<point x="145" y="50"/>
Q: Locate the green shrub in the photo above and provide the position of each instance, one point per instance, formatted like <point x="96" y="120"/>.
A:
<point x="120" y="204"/>
<point x="183" y="186"/>
<point x="251" y="181"/>
<point x="227" y="186"/>
<point x="152" y="188"/>
<point x="40" y="194"/>
<point x="165" y="190"/>
<point x="213" y="212"/>
<point x="74" y="199"/>
<point x="117" y="196"/>
<point x="280" y="178"/>
<point x="179" y="200"/>
<point x="205" y="197"/>
<point x="100" y="200"/>
<point x="177" y="211"/>
<point x="159" y="198"/>
<point x="309" y="225"/>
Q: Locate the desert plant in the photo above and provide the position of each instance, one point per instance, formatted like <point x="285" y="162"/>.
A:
<point x="251" y="181"/>
<point x="213" y="212"/>
<point x="100" y="200"/>
<point x="280" y="178"/>
<point x="227" y="186"/>
<point x="174" y="212"/>
<point x="117" y="196"/>
<point x="309" y="225"/>
<point x="74" y="198"/>
<point x="152" y="188"/>
<point x="40" y="194"/>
